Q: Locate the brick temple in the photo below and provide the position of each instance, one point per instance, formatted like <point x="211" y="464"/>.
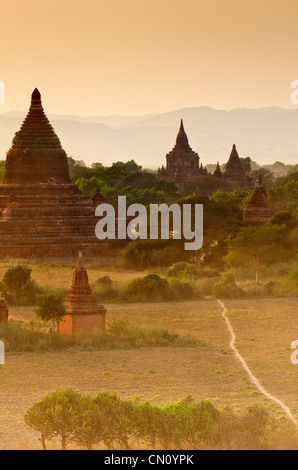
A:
<point x="183" y="164"/>
<point x="82" y="311"/>
<point x="42" y="212"/>
<point x="257" y="210"/>
<point x="235" y="173"/>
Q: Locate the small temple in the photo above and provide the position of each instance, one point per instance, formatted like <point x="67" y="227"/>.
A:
<point x="42" y="212"/>
<point x="234" y="171"/>
<point x="218" y="172"/>
<point x="257" y="210"/>
<point x="82" y="310"/>
<point x="183" y="164"/>
<point x="3" y="311"/>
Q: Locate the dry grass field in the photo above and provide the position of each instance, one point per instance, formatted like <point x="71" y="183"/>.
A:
<point x="264" y="331"/>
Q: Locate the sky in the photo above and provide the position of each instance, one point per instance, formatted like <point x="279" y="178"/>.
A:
<point x="132" y="57"/>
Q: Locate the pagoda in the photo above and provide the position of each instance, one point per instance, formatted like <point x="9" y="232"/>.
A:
<point x="42" y="212"/>
<point x="218" y="172"/>
<point x="82" y="311"/>
<point x="257" y="210"/>
<point x="234" y="171"/>
<point x="183" y="164"/>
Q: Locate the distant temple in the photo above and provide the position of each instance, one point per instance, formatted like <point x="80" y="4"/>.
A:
<point x="234" y="171"/>
<point x="183" y="164"/>
<point x="257" y="210"/>
<point x="218" y="172"/>
<point x="82" y="311"/>
<point x="42" y="212"/>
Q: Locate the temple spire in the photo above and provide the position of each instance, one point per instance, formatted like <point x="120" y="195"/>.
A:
<point x="182" y="140"/>
<point x="36" y="100"/>
<point x="80" y="260"/>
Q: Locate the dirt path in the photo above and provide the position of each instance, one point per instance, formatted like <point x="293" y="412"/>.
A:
<point x="253" y="379"/>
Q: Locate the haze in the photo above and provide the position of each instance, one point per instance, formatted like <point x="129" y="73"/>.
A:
<point x="133" y="57"/>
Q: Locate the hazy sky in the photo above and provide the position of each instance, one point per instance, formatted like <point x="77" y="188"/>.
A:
<point x="92" y="57"/>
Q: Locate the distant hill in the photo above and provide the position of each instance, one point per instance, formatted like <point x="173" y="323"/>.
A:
<point x="266" y="135"/>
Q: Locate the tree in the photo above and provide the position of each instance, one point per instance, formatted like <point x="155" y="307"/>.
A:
<point x="89" y="423"/>
<point x="88" y="187"/>
<point x="17" y="287"/>
<point x="256" y="245"/>
<point x="267" y="176"/>
<point x="246" y="164"/>
<point x="55" y="416"/>
<point x="50" y="307"/>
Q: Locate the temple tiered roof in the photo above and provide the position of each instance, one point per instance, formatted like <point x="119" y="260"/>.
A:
<point x="257" y="210"/>
<point x="42" y="212"/>
<point x="36" y="130"/>
<point x="82" y="310"/>
<point x="234" y="170"/>
<point x="183" y="164"/>
<point x="80" y="299"/>
<point x="218" y="172"/>
<point x="36" y="155"/>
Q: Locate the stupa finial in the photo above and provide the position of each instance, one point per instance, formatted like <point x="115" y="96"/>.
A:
<point x="80" y="260"/>
<point x="36" y="100"/>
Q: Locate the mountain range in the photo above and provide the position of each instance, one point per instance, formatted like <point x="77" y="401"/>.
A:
<point x="265" y="134"/>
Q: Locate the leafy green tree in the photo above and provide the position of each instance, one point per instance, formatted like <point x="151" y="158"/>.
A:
<point x="257" y="245"/>
<point x="267" y="176"/>
<point x="88" y="187"/>
<point x="90" y="425"/>
<point x="55" y="416"/>
<point x="17" y="287"/>
<point x="237" y="196"/>
<point x="246" y="164"/>
<point x="50" y="306"/>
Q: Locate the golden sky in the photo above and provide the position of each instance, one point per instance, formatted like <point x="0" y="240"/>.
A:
<point x="93" y="57"/>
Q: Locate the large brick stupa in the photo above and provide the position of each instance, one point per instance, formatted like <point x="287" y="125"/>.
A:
<point x="42" y="212"/>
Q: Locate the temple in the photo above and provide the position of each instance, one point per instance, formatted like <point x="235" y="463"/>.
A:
<point x="42" y="212"/>
<point x="234" y="171"/>
<point x="82" y="311"/>
<point x="218" y="172"/>
<point x="183" y="164"/>
<point x="257" y="210"/>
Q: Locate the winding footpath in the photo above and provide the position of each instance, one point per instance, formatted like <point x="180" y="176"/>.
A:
<point x="253" y="379"/>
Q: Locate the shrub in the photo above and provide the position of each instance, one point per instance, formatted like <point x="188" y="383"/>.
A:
<point x="108" y="420"/>
<point x="292" y="275"/>
<point x="209" y="273"/>
<point x="182" y="269"/>
<point x="143" y="254"/>
<point x="119" y="334"/>
<point x="151" y="287"/>
<point x="183" y="290"/>
<point x="227" y="287"/>
<point x="103" y="289"/>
